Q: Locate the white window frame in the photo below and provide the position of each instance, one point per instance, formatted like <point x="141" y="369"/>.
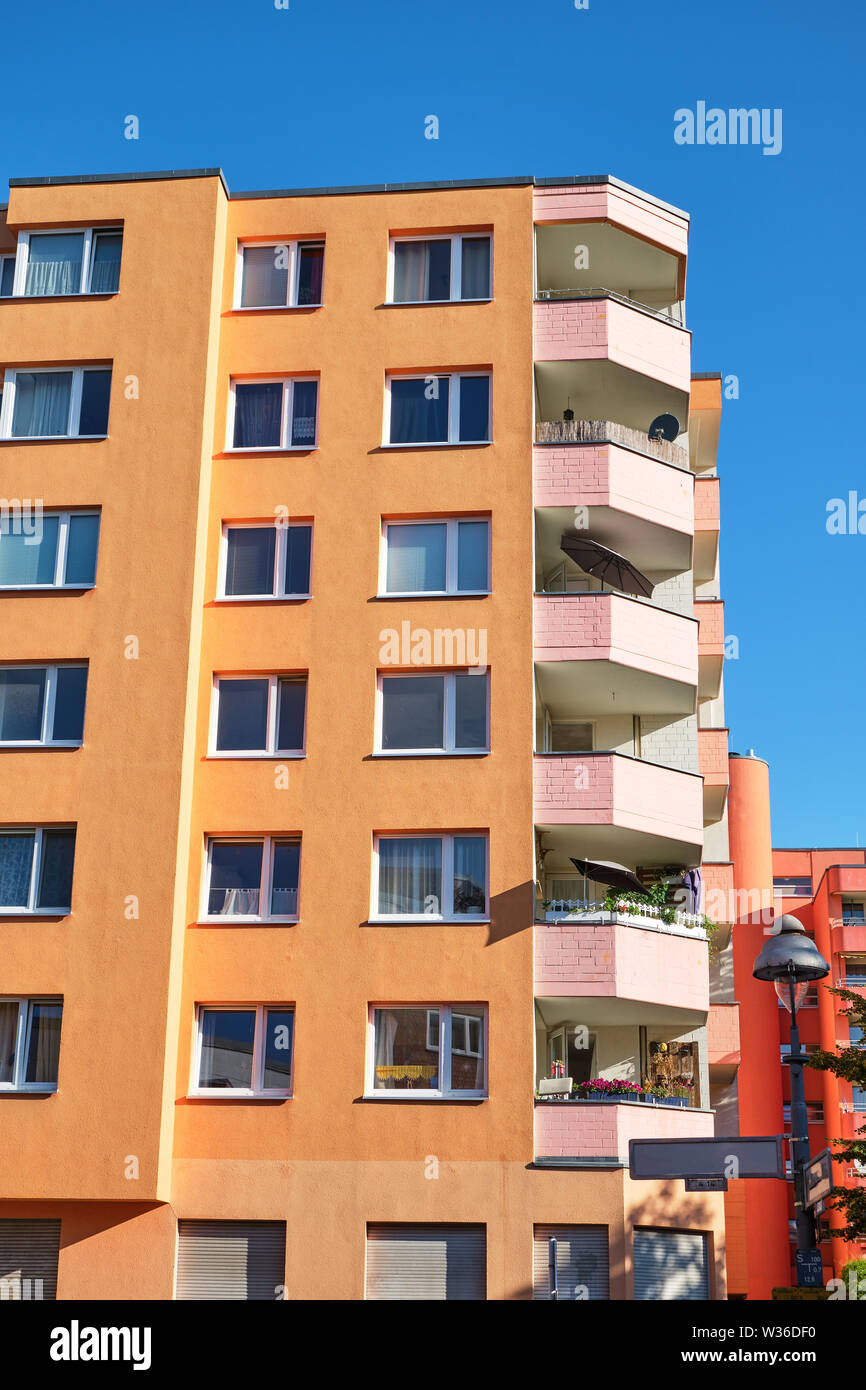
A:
<point x="60" y="554"/>
<point x="454" y="378"/>
<point x="288" y="384"/>
<point x="23" y="1033"/>
<point x="451" y="749"/>
<point x="48" y="703"/>
<point x="451" y="525"/>
<point x="278" y="592"/>
<point x="293" y="248"/>
<point x="447" y="880"/>
<point x="257" y="1091"/>
<point x="22" y="257"/>
<point x="445" y="1011"/>
<point x="456" y="239"/>
<point x="271" y="751"/>
<point x="265" y="881"/>
<point x="30" y="909"/>
<point x="7" y="407"/>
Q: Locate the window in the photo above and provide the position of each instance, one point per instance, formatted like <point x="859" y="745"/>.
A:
<point x="7" y="276"/>
<point x="436" y="557"/>
<point x="275" y="414"/>
<point x="580" y="1258"/>
<point x="266" y="561"/>
<point x="46" y="404"/>
<point x="244" y="1049"/>
<point x="808" y="1048"/>
<point x="258" y="715"/>
<point x="430" y="876"/>
<point x="858" y="1097"/>
<point x="29" y="1044"/>
<point x="452" y="409"/>
<point x="254" y="880"/>
<point x="433" y="714"/>
<point x="570" y="736"/>
<point x="671" y="1266"/>
<point x="427" y="269"/>
<point x="240" y="1260"/>
<point x="51" y="550"/>
<point x="792" y="887"/>
<point x="42" y="704"/>
<point x="814" y="1113"/>
<point x="429" y="1264"/>
<point x="428" y="1050"/>
<point x="853" y="912"/>
<point x="68" y="262"/>
<point x="855" y="972"/>
<point x="36" y="870"/>
<point x="280" y="275"/>
<point x="855" y="1036"/>
<point x="29" y="1251"/>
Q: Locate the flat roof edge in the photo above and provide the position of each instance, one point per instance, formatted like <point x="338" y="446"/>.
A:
<point x="337" y="190"/>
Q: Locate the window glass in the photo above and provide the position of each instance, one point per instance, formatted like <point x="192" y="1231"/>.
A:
<point x="467" y="1048"/>
<point x="413" y="710"/>
<point x="286" y="866"/>
<point x="410" y="875"/>
<point x="22" y="692"/>
<point x="419" y="410"/>
<point x="54" y="263"/>
<point x="475" y="273"/>
<point x="16" y="862"/>
<point x="242" y="720"/>
<point x="43" y="1052"/>
<point x="41" y="404"/>
<point x="416" y="558"/>
<point x="21" y="560"/>
<point x="235" y="879"/>
<point x="292" y="695"/>
<point x="69" y="703"/>
<point x="55" y="879"/>
<point x="258" y="411"/>
<point x="95" y="393"/>
<point x="470" y="696"/>
<point x="279" y="1033"/>
<point x="250" y="560"/>
<point x="227" y="1040"/>
<point x="472" y="555"/>
<point x="422" y="271"/>
<point x="311" y="264"/>
<point x="81" y="543"/>
<point x="474" y="407"/>
<point x="404" y="1056"/>
<point x="470" y="874"/>
<point x="7" y="275"/>
<point x="8" y="1040"/>
<point x="304" y="399"/>
<point x="265" y="276"/>
<point x="105" y="262"/>
<point x="298" y="542"/>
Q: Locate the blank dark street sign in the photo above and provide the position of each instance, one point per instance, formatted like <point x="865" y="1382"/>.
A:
<point x="819" y="1177"/>
<point x="758" y="1157"/>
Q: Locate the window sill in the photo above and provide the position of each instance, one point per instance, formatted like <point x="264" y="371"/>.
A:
<point x="268" y="449"/>
<point x="437" y="593"/>
<point x="63" y="298"/>
<point x="425" y="1095"/>
<point x="235" y="1093"/>
<point x="54" y="439"/>
<point x="35" y="911"/>
<point x="30" y="747"/>
<point x="431" y="753"/>
<point x="45" y="588"/>
<point x="272" y="308"/>
<point x="237" y="921"/>
<point x="439" y="444"/>
<point x="433" y="303"/>
<point x="262" y="598"/>
<point x="240" y="757"/>
<point x="28" y="1090"/>
<point x="429" y="919"/>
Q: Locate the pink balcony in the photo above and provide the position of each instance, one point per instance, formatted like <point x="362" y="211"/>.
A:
<point x="581" y="330"/>
<point x="609" y="201"/>
<point x="710" y="614"/>
<point x="723" y="1040"/>
<point x="848" y="938"/>
<point x="612" y="476"/>
<point x="579" y="1129"/>
<point x="706" y="528"/>
<point x="718" y="900"/>
<point x="713" y="765"/>
<point x="656" y="964"/>
<point x="638" y="798"/>
<point x="615" y="628"/>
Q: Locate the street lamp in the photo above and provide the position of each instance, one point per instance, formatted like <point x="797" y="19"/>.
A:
<point x="791" y="961"/>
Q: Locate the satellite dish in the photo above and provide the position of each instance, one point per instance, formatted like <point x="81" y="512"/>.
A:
<point x="664" y="427"/>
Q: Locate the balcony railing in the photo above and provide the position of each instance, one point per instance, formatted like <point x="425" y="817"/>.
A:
<point x="609" y="432"/>
<point x="645" y="915"/>
<point x="601" y="293"/>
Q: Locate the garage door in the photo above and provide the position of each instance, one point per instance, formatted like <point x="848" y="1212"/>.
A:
<point x="28" y="1259"/>
<point x="427" y="1262"/>
<point x="582" y="1262"/>
<point x="231" y="1259"/>
<point x="671" y="1265"/>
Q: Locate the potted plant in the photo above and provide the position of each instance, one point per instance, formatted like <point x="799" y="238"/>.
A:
<point x="601" y="1089"/>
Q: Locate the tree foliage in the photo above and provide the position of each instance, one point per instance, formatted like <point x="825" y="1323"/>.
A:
<point x="849" y="1064"/>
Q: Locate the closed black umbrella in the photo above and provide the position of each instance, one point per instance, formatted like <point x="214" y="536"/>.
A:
<point x="596" y="559"/>
<point x="614" y="875"/>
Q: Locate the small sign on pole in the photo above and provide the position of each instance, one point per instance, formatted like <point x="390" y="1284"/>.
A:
<point x="818" y="1176"/>
<point x="706" y="1184"/>
<point x="810" y="1269"/>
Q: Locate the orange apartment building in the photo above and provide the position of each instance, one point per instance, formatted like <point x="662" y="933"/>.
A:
<point x="306" y="710"/>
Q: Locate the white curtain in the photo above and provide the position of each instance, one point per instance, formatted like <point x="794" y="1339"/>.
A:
<point x="44" y="1052"/>
<point x="54" y="264"/>
<point x="41" y="404"/>
<point x="416" y="558"/>
<point x="410" y="876"/>
<point x="8" y="1031"/>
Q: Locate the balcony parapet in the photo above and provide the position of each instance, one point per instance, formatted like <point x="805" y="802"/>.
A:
<point x="597" y="1134"/>
<point x="610" y="432"/>
<point x="602" y="293"/>
<point x="586" y="330"/>
<point x="618" y="956"/>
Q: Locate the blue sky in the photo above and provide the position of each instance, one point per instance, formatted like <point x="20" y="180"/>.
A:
<point x="336" y="91"/>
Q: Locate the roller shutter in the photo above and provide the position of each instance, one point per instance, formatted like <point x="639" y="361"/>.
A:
<point x="427" y="1262"/>
<point x="582" y="1262"/>
<point x="28" y="1259"/>
<point x="231" y="1259"/>
<point x="671" y="1265"/>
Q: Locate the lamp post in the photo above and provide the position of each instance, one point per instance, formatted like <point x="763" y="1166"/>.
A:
<point x="791" y="961"/>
